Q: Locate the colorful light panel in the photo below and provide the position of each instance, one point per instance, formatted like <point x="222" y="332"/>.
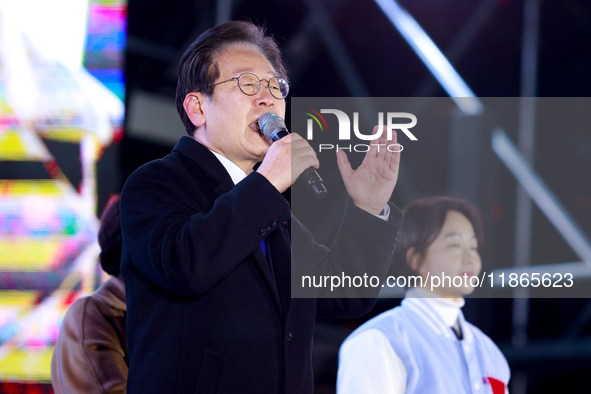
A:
<point x="48" y="227"/>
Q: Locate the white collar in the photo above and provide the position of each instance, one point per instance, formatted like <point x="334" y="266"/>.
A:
<point x="234" y="171"/>
<point x="447" y="309"/>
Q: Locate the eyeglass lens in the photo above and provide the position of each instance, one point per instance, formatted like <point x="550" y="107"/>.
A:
<point x="250" y="85"/>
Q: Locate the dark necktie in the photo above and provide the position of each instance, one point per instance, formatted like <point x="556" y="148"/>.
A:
<point x="264" y="247"/>
<point x="458" y="332"/>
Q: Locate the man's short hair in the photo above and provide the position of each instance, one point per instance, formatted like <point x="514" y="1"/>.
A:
<point x="110" y="238"/>
<point x="198" y="69"/>
<point x="423" y="220"/>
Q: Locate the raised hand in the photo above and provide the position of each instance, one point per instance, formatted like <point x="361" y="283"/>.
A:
<point x="372" y="183"/>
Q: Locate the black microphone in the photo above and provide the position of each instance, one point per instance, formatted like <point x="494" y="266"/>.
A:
<point x="273" y="127"/>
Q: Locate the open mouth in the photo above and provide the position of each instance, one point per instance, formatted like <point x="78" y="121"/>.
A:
<point x="255" y="126"/>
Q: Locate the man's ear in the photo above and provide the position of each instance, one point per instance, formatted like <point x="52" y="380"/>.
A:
<point x="413" y="258"/>
<point x="194" y="108"/>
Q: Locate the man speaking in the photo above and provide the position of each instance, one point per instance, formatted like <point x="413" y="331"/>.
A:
<point x="206" y="240"/>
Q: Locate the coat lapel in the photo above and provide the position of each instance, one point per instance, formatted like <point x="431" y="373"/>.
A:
<point x="216" y="171"/>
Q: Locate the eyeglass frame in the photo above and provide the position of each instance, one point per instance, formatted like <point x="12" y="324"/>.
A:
<point x="237" y="79"/>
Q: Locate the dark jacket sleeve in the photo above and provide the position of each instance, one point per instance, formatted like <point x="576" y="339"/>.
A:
<point x="183" y="238"/>
<point x="360" y="254"/>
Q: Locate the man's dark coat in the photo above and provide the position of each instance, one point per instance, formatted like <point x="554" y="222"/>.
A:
<point x="206" y="313"/>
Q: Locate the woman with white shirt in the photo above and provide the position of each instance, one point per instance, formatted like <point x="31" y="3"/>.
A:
<point x="424" y="345"/>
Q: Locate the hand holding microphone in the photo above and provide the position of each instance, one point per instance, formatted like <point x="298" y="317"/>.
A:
<point x="288" y="157"/>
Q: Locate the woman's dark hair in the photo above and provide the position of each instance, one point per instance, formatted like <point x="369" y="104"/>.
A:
<point x="423" y="221"/>
<point x="198" y="69"/>
<point x="110" y="238"/>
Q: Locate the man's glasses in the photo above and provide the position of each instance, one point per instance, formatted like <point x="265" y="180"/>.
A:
<point x="250" y="85"/>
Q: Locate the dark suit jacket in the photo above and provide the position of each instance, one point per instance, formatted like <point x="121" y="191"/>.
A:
<point x="205" y="312"/>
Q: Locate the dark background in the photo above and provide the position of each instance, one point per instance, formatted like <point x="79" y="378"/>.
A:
<point x="483" y="41"/>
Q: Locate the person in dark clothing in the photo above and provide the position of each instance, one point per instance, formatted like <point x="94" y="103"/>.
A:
<point x="206" y="238"/>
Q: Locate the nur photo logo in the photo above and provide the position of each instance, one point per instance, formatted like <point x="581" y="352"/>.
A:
<point x="393" y="122"/>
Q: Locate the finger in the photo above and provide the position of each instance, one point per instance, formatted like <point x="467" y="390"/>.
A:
<point x="343" y="164"/>
<point x="394" y="139"/>
<point x="301" y="143"/>
<point x="388" y="153"/>
<point x="378" y="145"/>
<point x="307" y="154"/>
<point x="396" y="147"/>
<point x="395" y="159"/>
<point x="388" y="140"/>
<point x="304" y="163"/>
<point x="315" y="163"/>
<point x="391" y="146"/>
<point x="384" y="137"/>
<point x="310" y="159"/>
<point x="287" y="139"/>
<point x="304" y="150"/>
<point x="283" y="143"/>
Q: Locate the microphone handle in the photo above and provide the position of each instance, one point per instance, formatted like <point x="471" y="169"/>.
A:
<point x="309" y="177"/>
<point x="279" y="134"/>
<point x="313" y="183"/>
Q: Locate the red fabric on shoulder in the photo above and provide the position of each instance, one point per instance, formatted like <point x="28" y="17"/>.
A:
<point x="498" y="387"/>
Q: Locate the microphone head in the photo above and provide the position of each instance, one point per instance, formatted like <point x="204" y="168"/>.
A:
<point x="270" y="124"/>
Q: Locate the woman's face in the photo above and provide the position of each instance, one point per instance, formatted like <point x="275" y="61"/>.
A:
<point x="454" y="253"/>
